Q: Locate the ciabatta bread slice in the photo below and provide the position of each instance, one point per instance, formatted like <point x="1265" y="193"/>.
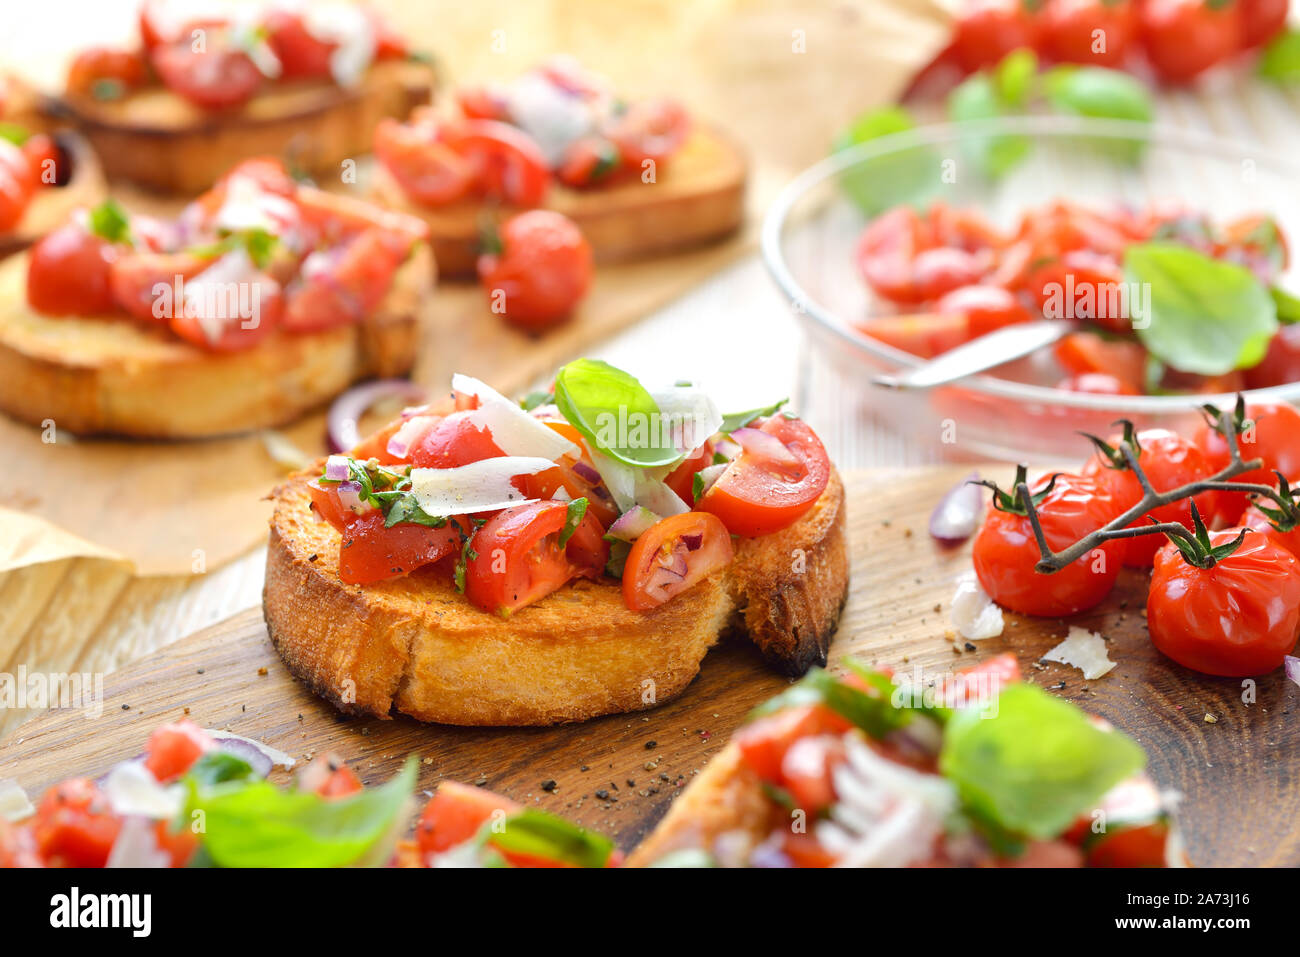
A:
<point x="117" y="376"/>
<point x="415" y="645"/>
<point x="159" y="140"/>
<point x="698" y="195"/>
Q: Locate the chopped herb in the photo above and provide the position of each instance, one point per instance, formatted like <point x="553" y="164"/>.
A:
<point x="738" y="420"/>
<point x="109" y="221"/>
<point x="576" y="512"/>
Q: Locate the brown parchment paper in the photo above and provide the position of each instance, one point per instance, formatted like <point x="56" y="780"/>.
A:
<point x="779" y="77"/>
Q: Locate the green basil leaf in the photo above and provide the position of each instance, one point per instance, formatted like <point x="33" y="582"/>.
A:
<point x="615" y="413"/>
<point x="1097" y="91"/>
<point x="215" y="767"/>
<point x="109" y="221"/>
<point x="738" y="420"/>
<point x="572" y="519"/>
<point x="1287" y="305"/>
<point x="12" y="132"/>
<point x="403" y="507"/>
<point x="618" y="552"/>
<point x="1014" y="75"/>
<point x="533" y="400"/>
<point x="907" y="175"/>
<point x="552" y="838"/>
<point x="255" y="824"/>
<point x="876" y="715"/>
<point x="977" y="98"/>
<point x="1207" y="316"/>
<point x="1280" y="60"/>
<point x="1031" y="763"/>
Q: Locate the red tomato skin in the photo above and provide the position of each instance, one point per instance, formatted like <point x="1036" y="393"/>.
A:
<point x="1281" y="363"/>
<point x="1184" y="38"/>
<point x="505" y="161"/>
<point x="1169" y="461"/>
<point x="1237" y="619"/>
<point x="370" y="552"/>
<point x="925" y="334"/>
<point x="986" y="308"/>
<point x="75" y="826"/>
<point x="173" y="749"/>
<point x="664" y="541"/>
<point x="1005" y="552"/>
<point x="682" y="479"/>
<point x="1069" y="30"/>
<point x="97" y="64"/>
<point x="69" y="274"/>
<point x="301" y="55"/>
<point x="18" y="845"/>
<point x="542" y="272"/>
<point x="1275" y="440"/>
<point x="452" y="443"/>
<point x="455" y="814"/>
<point x="1142" y="846"/>
<point x="987" y="30"/>
<point x="752" y="500"/>
<point x="134" y="275"/>
<point x="214" y="79"/>
<point x="763" y="743"/>
<point x="806" y="770"/>
<point x="1084" y="352"/>
<point x="431" y="172"/>
<point x="517" y="558"/>
<point x="234" y="337"/>
<point x="1261" y="20"/>
<point x="1254" y="519"/>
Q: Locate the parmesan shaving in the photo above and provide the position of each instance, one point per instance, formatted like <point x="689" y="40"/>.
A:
<point x="974" y="614"/>
<point x="513" y="430"/>
<point x="481" y="486"/>
<point x="1082" y="649"/>
<point x="14" y="803"/>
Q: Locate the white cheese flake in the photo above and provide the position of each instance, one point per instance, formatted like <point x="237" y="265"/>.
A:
<point x="14" y="803"/>
<point x="974" y="613"/>
<point x="514" y="431"/>
<point x="482" y="486"/>
<point x="1082" y="649"/>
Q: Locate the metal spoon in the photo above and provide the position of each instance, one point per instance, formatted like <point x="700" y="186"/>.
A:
<point x="993" y="349"/>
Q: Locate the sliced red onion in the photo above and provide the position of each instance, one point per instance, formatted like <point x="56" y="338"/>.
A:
<point x="587" y="472"/>
<point x="768" y="446"/>
<point x="348" y="408"/>
<point x="337" y="468"/>
<point x="1291" y="665"/>
<point x="399" y="444"/>
<point x="633" y="523"/>
<point x="726" y="448"/>
<point x="693" y="542"/>
<point x="958" y="513"/>
<point x="260" y="757"/>
<point x="350" y="494"/>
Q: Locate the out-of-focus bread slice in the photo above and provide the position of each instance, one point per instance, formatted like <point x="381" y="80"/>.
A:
<point x="116" y="376"/>
<point x="698" y="197"/>
<point x="159" y="140"/>
<point x="416" y="645"/>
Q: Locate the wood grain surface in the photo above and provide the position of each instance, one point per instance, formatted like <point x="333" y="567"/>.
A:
<point x="1238" y="773"/>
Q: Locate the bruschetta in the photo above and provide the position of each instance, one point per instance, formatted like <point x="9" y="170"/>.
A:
<point x="964" y="770"/>
<point x="211" y="84"/>
<point x="638" y="178"/>
<point x="200" y="798"/>
<point x="477" y="562"/>
<point x="263" y="299"/>
<point x="43" y="178"/>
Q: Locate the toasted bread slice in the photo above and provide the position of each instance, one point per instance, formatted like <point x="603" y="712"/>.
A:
<point x="698" y="196"/>
<point x="157" y="139"/>
<point x="53" y="204"/>
<point x="416" y="645"/>
<point x="117" y="376"/>
<point x="725" y="807"/>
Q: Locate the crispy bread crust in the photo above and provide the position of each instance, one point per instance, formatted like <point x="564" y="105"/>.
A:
<point x="415" y="645"/>
<point x="119" y="377"/>
<point x="699" y="196"/>
<point x="725" y="799"/>
<point x="158" y="140"/>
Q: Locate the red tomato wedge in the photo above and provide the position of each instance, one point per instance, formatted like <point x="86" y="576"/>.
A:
<point x="173" y="749"/>
<point x="370" y="552"/>
<point x="455" y="814"/>
<point x="430" y="171"/>
<point x="75" y="826"/>
<point x="924" y="334"/>
<point x="69" y="273"/>
<point x="770" y="485"/>
<point x="674" y="554"/>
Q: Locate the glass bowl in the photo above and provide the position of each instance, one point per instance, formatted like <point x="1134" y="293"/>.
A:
<point x="1013" y="412"/>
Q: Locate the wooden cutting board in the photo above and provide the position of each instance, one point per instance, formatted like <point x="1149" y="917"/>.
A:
<point x="618" y="774"/>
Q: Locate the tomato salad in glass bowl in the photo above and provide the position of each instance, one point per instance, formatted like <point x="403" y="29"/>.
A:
<point x="563" y="533"/>
<point x="966" y="772"/>
<point x="261" y="284"/>
<point x="202" y="798"/>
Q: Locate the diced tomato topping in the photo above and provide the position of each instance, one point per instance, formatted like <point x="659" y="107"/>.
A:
<point x="75" y="826"/>
<point x="173" y="749"/>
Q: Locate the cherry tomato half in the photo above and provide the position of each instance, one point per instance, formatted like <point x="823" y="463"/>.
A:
<point x="773" y="482"/>
<point x="214" y="78"/>
<point x="1094" y="32"/>
<point x="1237" y="619"/>
<point x="671" y="556"/>
<point x="173" y="749"/>
<point x="1184" y="38"/>
<point x="69" y="273"/>
<point x="370" y="552"/>
<point x="430" y="171"/>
